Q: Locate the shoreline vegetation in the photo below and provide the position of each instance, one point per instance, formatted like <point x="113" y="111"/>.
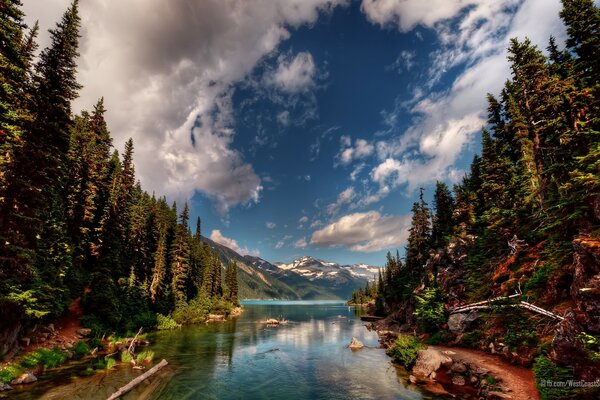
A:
<point x="506" y="261"/>
<point x="82" y="244"/>
<point x="97" y="355"/>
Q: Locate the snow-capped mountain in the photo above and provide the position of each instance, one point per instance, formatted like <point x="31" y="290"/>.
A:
<point x="306" y="278"/>
<point x="340" y="279"/>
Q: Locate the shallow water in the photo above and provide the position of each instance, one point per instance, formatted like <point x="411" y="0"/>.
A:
<point x="244" y="359"/>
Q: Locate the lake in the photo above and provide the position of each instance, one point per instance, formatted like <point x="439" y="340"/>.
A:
<point x="307" y="358"/>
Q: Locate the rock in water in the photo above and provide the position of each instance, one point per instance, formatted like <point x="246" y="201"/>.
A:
<point x="356" y="344"/>
<point x="27" y="377"/>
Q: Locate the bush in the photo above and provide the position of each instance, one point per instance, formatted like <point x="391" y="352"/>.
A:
<point x="80" y="349"/>
<point x="471" y="339"/>
<point x="545" y="372"/>
<point x="125" y="357"/>
<point x="10" y="372"/>
<point x="430" y="311"/>
<point x="44" y="357"/>
<point x="110" y="362"/>
<point x="166" y="322"/>
<point x="144" y="357"/>
<point x="440" y="337"/>
<point x="404" y="350"/>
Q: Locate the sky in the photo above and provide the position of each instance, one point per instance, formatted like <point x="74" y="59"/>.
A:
<point x="299" y="127"/>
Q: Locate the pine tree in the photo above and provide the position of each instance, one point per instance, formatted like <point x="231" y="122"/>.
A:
<point x="443" y="220"/>
<point x="180" y="254"/>
<point x="419" y="239"/>
<point x="582" y="19"/>
<point x="231" y="282"/>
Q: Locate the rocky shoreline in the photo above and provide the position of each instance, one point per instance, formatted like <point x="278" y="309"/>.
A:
<point x="463" y="372"/>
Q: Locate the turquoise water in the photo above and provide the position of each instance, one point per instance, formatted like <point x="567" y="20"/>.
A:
<point x="306" y="358"/>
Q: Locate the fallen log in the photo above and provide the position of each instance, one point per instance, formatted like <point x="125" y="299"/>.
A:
<point x="138" y="380"/>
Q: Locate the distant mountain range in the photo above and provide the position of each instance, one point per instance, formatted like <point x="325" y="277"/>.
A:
<point x="307" y="278"/>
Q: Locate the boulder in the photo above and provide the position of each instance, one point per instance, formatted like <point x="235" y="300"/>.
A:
<point x="84" y="332"/>
<point x="27" y="377"/>
<point x="4" y="386"/>
<point x="458" y="380"/>
<point x="356" y="344"/>
<point x="458" y="367"/>
<point x="428" y="361"/>
<point x="461" y="322"/>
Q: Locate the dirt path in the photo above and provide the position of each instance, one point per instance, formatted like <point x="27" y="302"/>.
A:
<point x="519" y="379"/>
<point x="65" y="328"/>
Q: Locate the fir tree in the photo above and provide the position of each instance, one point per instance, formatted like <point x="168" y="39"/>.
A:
<point x="443" y="220"/>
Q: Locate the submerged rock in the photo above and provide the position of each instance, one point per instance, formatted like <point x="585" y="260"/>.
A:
<point x="356" y="344"/>
<point x="4" y="386"/>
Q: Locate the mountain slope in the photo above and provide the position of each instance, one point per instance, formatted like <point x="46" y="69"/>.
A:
<point x="306" y="278"/>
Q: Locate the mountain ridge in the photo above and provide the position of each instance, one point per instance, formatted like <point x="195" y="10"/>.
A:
<point x="306" y="278"/>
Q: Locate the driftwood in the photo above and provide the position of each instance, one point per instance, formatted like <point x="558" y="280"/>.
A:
<point x="138" y="380"/>
<point x="131" y="348"/>
<point x="523" y="304"/>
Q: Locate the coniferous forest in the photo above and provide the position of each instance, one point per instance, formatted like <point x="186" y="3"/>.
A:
<point x="519" y="233"/>
<point x="525" y="220"/>
<point x="74" y="223"/>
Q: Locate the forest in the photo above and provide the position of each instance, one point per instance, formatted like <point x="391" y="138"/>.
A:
<point x="525" y="219"/>
<point x="74" y="222"/>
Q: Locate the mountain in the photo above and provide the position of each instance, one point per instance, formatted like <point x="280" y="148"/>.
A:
<point x="307" y="278"/>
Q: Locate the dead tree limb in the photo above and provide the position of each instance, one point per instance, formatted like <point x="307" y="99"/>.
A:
<point x="138" y="380"/>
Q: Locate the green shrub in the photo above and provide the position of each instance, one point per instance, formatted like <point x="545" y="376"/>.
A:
<point x="430" y="312"/>
<point x="539" y="280"/>
<point x="591" y="344"/>
<point x="110" y="362"/>
<point x="144" y="356"/>
<point x="80" y="349"/>
<point x="404" y="350"/>
<point x="546" y="372"/>
<point x="125" y="357"/>
<point x="440" y="337"/>
<point x="521" y="338"/>
<point x="45" y="357"/>
<point x="10" y="372"/>
<point x="166" y="322"/>
<point x="471" y="339"/>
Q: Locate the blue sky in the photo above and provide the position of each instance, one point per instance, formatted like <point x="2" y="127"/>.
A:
<point x="300" y="127"/>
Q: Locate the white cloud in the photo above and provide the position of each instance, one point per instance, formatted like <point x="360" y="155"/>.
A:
<point x="270" y="225"/>
<point x="445" y="123"/>
<point x="365" y="232"/>
<point x="356" y="171"/>
<point x="279" y="244"/>
<point x="343" y="198"/>
<point x="294" y="75"/>
<point x="404" y="62"/>
<point x="165" y="67"/>
<point x="315" y="224"/>
<point x="349" y="153"/>
<point x="217" y="236"/>
<point x="302" y="221"/>
<point x="409" y="13"/>
<point x="301" y="243"/>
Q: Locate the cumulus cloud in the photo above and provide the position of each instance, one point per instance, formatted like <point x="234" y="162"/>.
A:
<point x="301" y="243"/>
<point x="473" y="34"/>
<point x="270" y="225"/>
<point x="302" y="221"/>
<point x="166" y="70"/>
<point x="364" y="232"/>
<point x="293" y="75"/>
<point x="349" y="153"/>
<point x="345" y="197"/>
<point x="217" y="236"/>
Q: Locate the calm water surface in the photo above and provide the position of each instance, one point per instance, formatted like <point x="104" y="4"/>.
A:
<point x="244" y="359"/>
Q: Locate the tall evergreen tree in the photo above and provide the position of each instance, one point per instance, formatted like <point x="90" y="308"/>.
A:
<point x="443" y="220"/>
<point x="180" y="257"/>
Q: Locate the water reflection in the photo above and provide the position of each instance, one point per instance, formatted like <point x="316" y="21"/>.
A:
<point x="245" y="359"/>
